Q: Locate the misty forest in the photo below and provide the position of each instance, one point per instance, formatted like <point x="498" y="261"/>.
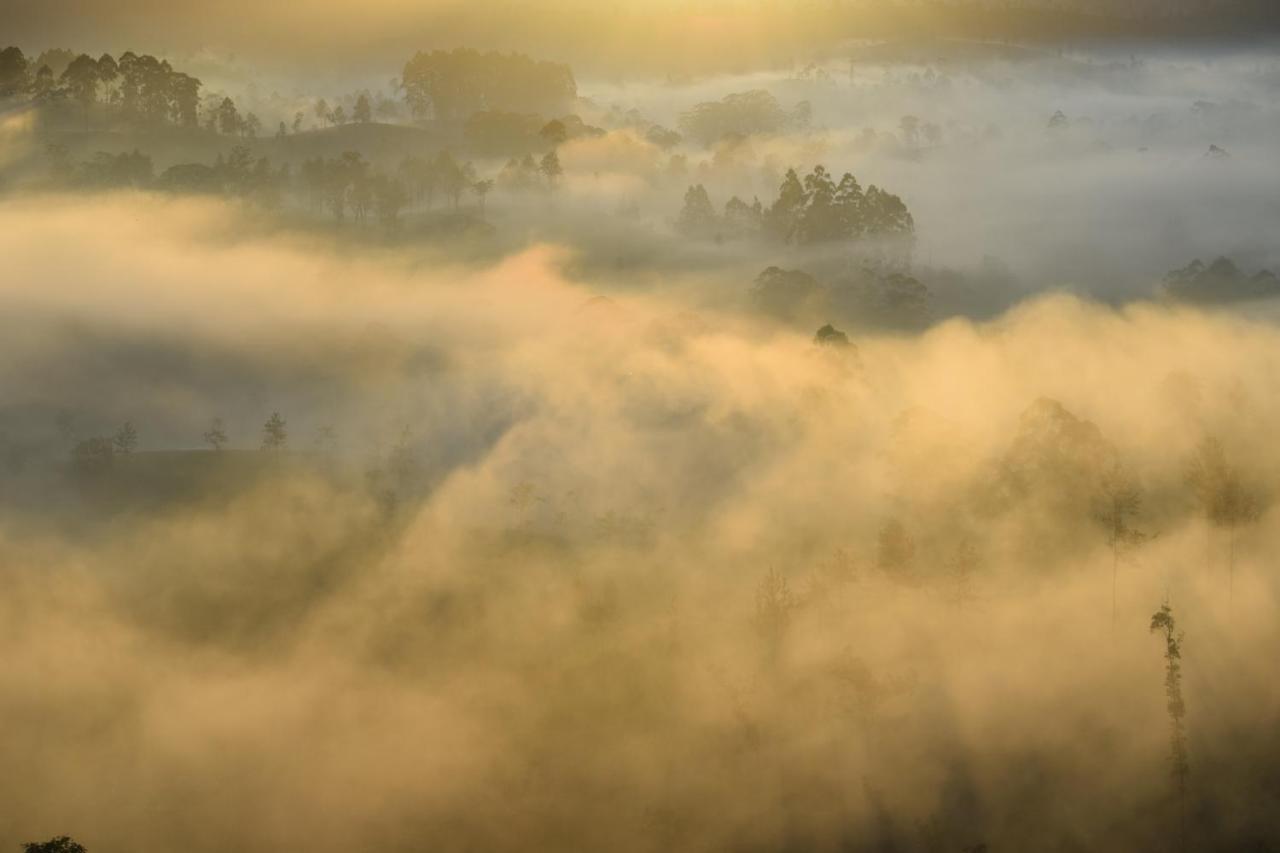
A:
<point x="763" y="426"/>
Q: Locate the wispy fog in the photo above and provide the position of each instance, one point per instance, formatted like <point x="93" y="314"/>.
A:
<point x="413" y="482"/>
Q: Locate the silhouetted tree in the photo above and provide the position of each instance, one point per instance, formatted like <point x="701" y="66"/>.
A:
<point x="742" y="113"/>
<point x="92" y="455"/>
<point x="108" y="72"/>
<point x="216" y="435"/>
<point x="830" y="336"/>
<point x="550" y="167"/>
<point x="481" y="190"/>
<point x="389" y="198"/>
<point x="451" y="177"/>
<point x="784" y="214"/>
<point x="43" y="86"/>
<point x="664" y="138"/>
<point x="61" y="844"/>
<point x="554" y="132"/>
<point x="81" y="79"/>
<point x="125" y="441"/>
<point x="363" y="111"/>
<point x="788" y="295"/>
<point x="322" y="112"/>
<point x="274" y="433"/>
<point x="13" y="72"/>
<point x="1162" y="622"/>
<point x="250" y="126"/>
<point x="697" y="216"/>
<point x="228" y="117"/>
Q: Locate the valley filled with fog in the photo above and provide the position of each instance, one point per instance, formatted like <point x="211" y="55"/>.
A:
<point x="869" y="448"/>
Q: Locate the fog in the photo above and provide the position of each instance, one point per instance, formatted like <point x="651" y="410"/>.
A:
<point x="371" y="484"/>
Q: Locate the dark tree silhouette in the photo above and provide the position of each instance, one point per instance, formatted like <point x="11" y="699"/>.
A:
<point x="698" y="216"/>
<point x="125" y="441"/>
<point x="228" y="117"/>
<point x="830" y="336"/>
<point x="742" y="114"/>
<point x="61" y="844"/>
<point x="274" y="433"/>
<point x="550" y="167"/>
<point x="216" y="435"/>
<point x="1162" y="622"/>
<point x="482" y="190"/>
<point x="362" y="112"/>
<point x="14" y="70"/>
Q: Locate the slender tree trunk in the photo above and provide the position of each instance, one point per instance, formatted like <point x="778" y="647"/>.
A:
<point x="1115" y="571"/>
<point x="1231" y="563"/>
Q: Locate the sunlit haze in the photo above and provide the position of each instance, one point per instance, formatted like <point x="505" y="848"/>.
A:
<point x="737" y="425"/>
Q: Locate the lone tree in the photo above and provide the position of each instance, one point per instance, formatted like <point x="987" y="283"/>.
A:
<point x="125" y="441"/>
<point x="362" y="113"/>
<point x="550" y="166"/>
<point x="274" y="433"/>
<point x="1117" y="502"/>
<point x="1224" y="499"/>
<point x="61" y="844"/>
<point x="1162" y="622"/>
<point x="216" y="435"/>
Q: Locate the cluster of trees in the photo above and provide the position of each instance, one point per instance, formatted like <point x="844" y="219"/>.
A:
<point x="363" y="108"/>
<point x="1220" y="281"/>
<point x="742" y="114"/>
<point x="343" y="186"/>
<point x="451" y="85"/>
<point x="526" y="173"/>
<point x="864" y="297"/>
<point x="237" y="173"/>
<point x="98" y="453"/>
<point x="348" y="183"/>
<point x="815" y="210"/>
<point x="141" y="87"/>
<point x="104" y="170"/>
